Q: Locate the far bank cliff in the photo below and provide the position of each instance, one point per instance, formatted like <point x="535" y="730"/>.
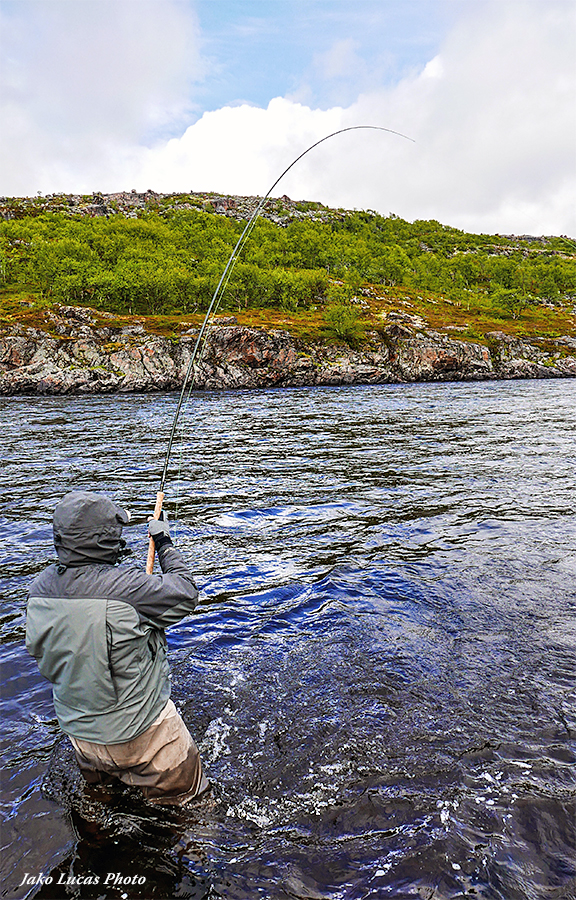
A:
<point x="80" y="354"/>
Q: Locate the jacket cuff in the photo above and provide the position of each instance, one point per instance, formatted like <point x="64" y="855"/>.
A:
<point x="160" y="540"/>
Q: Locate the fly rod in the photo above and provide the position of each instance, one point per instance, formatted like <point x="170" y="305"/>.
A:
<point x="216" y="297"/>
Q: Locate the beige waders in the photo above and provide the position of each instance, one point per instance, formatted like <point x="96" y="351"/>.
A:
<point x="163" y="761"/>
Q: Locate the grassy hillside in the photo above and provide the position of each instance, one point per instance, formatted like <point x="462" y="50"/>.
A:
<point x="317" y="272"/>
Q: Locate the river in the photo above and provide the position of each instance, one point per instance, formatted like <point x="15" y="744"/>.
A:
<point x="381" y="670"/>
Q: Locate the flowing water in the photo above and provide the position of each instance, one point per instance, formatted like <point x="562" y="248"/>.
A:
<point x="380" y="673"/>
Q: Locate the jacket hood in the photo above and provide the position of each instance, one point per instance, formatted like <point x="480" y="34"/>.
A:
<point x="88" y="529"/>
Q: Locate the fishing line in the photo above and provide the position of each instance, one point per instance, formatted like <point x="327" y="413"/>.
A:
<point x="213" y="306"/>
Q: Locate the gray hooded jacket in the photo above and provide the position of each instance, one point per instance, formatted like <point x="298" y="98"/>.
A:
<point x="97" y="630"/>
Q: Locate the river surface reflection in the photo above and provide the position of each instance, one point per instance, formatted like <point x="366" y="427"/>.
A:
<point x="381" y="670"/>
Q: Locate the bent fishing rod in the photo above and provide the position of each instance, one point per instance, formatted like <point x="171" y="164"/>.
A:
<point x="213" y="306"/>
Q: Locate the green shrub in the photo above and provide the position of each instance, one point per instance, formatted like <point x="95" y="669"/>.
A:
<point x="510" y="303"/>
<point x="343" y="323"/>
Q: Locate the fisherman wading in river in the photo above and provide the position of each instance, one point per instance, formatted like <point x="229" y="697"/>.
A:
<point x="96" y="630"/>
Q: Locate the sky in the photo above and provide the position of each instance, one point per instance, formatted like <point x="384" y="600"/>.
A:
<point x="221" y="95"/>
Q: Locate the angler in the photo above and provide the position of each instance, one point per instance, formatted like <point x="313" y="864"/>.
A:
<point x="96" y="630"/>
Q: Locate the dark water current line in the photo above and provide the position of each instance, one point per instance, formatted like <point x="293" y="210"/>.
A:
<point x="381" y="672"/>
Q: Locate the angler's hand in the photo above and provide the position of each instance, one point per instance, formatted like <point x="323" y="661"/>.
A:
<point x="159" y="531"/>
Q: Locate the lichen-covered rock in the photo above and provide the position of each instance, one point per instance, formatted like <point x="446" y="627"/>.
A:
<point x="437" y="358"/>
<point x="80" y="356"/>
<point x="514" y="358"/>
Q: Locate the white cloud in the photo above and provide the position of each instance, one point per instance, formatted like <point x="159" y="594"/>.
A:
<point x="238" y="149"/>
<point x="434" y="68"/>
<point x="493" y="114"/>
<point x="83" y="82"/>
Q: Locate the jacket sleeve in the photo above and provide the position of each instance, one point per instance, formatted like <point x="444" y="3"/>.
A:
<point x="163" y="599"/>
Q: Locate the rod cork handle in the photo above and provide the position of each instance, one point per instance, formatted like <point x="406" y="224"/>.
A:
<point x="151" y="548"/>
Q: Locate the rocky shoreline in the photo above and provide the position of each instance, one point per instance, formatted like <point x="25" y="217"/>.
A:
<point x="81" y="354"/>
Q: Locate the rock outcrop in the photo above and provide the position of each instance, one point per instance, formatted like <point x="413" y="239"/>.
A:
<point x="131" y="204"/>
<point x="81" y="355"/>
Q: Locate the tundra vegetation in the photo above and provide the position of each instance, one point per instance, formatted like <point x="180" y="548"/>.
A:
<point x="321" y="274"/>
